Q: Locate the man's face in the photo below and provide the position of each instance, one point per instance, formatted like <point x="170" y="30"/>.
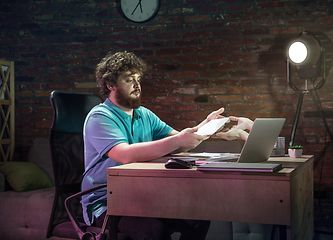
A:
<point x="128" y="90"/>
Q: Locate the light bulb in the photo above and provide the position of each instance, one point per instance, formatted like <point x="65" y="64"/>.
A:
<point x="298" y="52"/>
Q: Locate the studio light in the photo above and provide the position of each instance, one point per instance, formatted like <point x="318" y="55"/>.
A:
<point x="311" y="54"/>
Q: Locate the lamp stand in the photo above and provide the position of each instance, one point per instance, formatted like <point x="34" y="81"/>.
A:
<point x="315" y="100"/>
<point x="298" y="110"/>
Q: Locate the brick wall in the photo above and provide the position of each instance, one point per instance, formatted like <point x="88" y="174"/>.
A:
<point x="201" y="54"/>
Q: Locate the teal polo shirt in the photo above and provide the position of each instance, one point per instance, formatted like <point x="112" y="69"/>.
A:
<point x="106" y="126"/>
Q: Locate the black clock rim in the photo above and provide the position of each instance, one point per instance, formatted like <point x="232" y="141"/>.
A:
<point x="147" y="20"/>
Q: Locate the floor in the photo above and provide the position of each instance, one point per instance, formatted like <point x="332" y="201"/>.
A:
<point x="323" y="218"/>
<point x="323" y="230"/>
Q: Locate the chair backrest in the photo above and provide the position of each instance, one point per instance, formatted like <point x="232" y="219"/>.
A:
<point x="67" y="147"/>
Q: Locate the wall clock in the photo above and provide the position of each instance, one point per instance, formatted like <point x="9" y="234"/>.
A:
<point x="138" y="11"/>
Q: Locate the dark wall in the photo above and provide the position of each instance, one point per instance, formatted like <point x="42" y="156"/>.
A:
<point x="201" y="54"/>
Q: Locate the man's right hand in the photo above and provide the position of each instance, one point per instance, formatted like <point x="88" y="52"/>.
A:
<point x="188" y="139"/>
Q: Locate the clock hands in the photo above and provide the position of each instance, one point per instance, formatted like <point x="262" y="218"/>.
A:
<point x="139" y="3"/>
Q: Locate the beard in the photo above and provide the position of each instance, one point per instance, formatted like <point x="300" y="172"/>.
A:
<point x="127" y="101"/>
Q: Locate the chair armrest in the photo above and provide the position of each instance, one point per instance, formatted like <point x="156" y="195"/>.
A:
<point x="72" y="215"/>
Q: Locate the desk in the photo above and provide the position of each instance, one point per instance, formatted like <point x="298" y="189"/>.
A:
<point x="281" y="198"/>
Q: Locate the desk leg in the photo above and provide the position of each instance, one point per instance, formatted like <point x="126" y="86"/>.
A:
<point x="113" y="227"/>
<point x="283" y="232"/>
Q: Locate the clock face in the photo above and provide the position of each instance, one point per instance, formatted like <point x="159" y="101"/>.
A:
<point x="139" y="10"/>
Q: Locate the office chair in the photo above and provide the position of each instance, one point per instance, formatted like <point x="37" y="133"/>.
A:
<point x="67" y="153"/>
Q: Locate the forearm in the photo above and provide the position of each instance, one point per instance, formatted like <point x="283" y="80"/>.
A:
<point x="144" y="151"/>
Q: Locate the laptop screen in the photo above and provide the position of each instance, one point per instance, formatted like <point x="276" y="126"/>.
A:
<point x="260" y="142"/>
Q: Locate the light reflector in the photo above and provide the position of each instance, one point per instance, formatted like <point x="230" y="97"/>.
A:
<point x="298" y="52"/>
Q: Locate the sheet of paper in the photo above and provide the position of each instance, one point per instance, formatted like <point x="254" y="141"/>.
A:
<point x="211" y="127"/>
<point x="204" y="155"/>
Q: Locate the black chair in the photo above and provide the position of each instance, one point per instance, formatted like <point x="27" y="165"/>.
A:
<point x="67" y="152"/>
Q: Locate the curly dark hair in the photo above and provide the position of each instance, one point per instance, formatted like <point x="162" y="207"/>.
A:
<point x="112" y="65"/>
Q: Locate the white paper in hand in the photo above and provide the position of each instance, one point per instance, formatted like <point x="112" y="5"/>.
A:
<point x="212" y="126"/>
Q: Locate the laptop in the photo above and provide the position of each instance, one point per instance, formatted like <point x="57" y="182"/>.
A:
<point x="257" y="148"/>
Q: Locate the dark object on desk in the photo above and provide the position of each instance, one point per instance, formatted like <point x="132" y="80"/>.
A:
<point x="240" y="167"/>
<point x="177" y="164"/>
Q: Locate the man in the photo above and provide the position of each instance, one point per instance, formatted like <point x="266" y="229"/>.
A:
<point x="120" y="131"/>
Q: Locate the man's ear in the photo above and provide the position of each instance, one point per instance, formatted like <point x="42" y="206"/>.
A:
<point x="110" y="87"/>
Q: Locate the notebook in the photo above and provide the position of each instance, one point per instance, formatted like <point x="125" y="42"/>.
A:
<point x="257" y="148"/>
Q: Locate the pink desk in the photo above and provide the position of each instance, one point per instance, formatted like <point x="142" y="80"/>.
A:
<point x="281" y="198"/>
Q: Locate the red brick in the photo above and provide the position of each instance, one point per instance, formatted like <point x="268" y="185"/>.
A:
<point x="185" y="43"/>
<point x="256" y="15"/>
<point x="218" y="8"/>
<point x="47" y="78"/>
<point x="214" y="25"/>
<point x="235" y="8"/>
<point x="168" y="51"/>
<point x="154" y="28"/>
<point x="48" y="63"/>
<point x="213" y="74"/>
<point x="242" y="74"/>
<point x="257" y="98"/>
<point x="196" y="50"/>
<point x="212" y="91"/>
<point x="180" y="10"/>
<point x="197" y="18"/>
<point x="30" y="71"/>
<point x="232" y="49"/>
<point x="182" y="58"/>
<point x="225" y="33"/>
<point x="196" y="82"/>
<point x="213" y="42"/>
<point x="223" y="66"/>
<point x="139" y="36"/>
<point x="270" y="5"/>
<point x="242" y="90"/>
<point x="326" y="20"/>
<point x="43" y="93"/>
<point x="224" y="82"/>
<point x="285" y="30"/>
<point x="172" y="19"/>
<point x="58" y="70"/>
<point x="240" y="24"/>
<point x="168" y="35"/>
<point x="43" y="125"/>
<point x="155" y="91"/>
<point x="125" y="29"/>
<point x="194" y="66"/>
<point x="53" y="86"/>
<point x="184" y="107"/>
<point x="182" y="91"/>
<point x="228" y="98"/>
<point x="211" y="58"/>
<point x="60" y="55"/>
<point x="85" y="23"/>
<point x="255" y="32"/>
<point x="166" y="67"/>
<point x="168" y="83"/>
<point x="184" y="74"/>
<point x="240" y="57"/>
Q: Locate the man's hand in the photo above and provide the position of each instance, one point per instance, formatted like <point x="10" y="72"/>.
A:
<point x="188" y="139"/>
<point x="233" y="134"/>
<point x="242" y="123"/>
<point x="211" y="116"/>
<point x="237" y="131"/>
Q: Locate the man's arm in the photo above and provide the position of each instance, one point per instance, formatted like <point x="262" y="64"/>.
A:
<point x="146" y="151"/>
